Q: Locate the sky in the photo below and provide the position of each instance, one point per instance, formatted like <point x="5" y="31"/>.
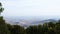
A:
<point x="35" y="8"/>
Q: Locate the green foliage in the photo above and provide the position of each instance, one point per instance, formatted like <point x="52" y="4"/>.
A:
<point x="32" y="30"/>
<point x="1" y="8"/>
<point x="0" y="4"/>
<point x="3" y="25"/>
<point x="46" y="28"/>
<point x="17" y="30"/>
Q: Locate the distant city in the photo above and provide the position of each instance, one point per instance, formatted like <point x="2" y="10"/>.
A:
<point x="26" y="21"/>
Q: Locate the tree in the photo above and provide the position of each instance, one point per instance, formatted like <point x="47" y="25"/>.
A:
<point x="51" y="24"/>
<point x="57" y="27"/>
<point x="32" y="30"/>
<point x="45" y="28"/>
<point x="40" y="29"/>
<point x="17" y="30"/>
<point x="51" y="28"/>
<point x="1" y="8"/>
<point x="3" y="25"/>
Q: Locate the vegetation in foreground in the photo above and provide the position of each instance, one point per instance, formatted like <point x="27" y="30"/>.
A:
<point x="46" y="28"/>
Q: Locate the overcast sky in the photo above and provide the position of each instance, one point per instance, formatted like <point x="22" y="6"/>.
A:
<point x="42" y="8"/>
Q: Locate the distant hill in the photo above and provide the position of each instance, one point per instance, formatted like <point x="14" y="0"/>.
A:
<point x="48" y="20"/>
<point x="40" y="22"/>
<point x="43" y="21"/>
<point x="25" y="23"/>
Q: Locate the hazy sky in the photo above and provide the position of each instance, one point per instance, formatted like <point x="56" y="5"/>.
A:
<point x="42" y="8"/>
